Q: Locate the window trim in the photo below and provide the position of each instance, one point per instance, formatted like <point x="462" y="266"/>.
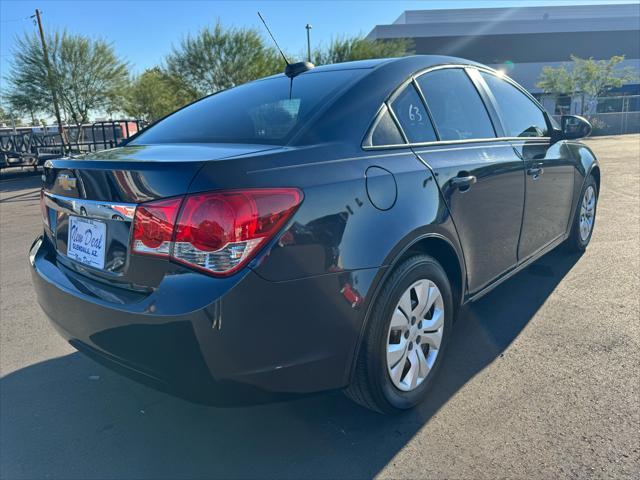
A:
<point x="426" y="107"/>
<point x="419" y="73"/>
<point x="488" y="99"/>
<point x="392" y="114"/>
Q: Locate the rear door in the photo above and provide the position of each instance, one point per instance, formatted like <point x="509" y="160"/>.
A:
<point x="480" y="176"/>
<point x="549" y="166"/>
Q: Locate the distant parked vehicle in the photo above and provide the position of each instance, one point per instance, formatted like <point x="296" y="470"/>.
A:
<point x="311" y="231"/>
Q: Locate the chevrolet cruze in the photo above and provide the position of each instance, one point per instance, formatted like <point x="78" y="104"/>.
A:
<point x="309" y="231"/>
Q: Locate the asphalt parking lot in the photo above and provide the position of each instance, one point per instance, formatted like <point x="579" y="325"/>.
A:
<point x="542" y="380"/>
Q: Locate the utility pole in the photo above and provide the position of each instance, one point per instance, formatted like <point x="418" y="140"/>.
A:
<point x="308" y="27"/>
<point x="52" y="87"/>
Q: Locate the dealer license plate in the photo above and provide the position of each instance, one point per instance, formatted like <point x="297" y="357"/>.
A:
<point x="87" y="240"/>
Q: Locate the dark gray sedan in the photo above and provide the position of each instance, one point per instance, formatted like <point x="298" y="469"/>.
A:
<point x="310" y="232"/>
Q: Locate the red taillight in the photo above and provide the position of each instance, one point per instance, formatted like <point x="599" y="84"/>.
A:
<point x="153" y="227"/>
<point x="218" y="232"/>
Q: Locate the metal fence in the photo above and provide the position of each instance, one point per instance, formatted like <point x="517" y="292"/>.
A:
<point x="100" y="135"/>
<point x="32" y="146"/>
<point x="615" y="115"/>
<point x="619" y="123"/>
<point x="621" y="104"/>
<point x="615" y="123"/>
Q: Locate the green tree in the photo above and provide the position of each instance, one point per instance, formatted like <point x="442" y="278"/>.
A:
<point x="358" y="48"/>
<point x="152" y="96"/>
<point x="91" y="77"/>
<point x="587" y="77"/>
<point x="27" y="93"/>
<point x="218" y="58"/>
<point x="8" y="116"/>
<point x="557" y="80"/>
<point x="23" y="106"/>
<point x="87" y="76"/>
<point x="595" y="78"/>
<point x="10" y="112"/>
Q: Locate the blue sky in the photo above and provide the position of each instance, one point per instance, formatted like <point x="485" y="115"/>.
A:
<point x="142" y="32"/>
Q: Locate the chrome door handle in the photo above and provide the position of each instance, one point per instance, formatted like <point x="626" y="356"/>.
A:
<point x="463" y="183"/>
<point x="535" y="172"/>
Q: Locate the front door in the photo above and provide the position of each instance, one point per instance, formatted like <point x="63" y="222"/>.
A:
<point x="549" y="167"/>
<point x="549" y="191"/>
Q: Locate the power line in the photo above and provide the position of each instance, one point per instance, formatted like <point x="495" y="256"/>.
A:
<point x="15" y="20"/>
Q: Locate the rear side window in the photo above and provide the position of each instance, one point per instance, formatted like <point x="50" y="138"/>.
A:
<point x="456" y="107"/>
<point x="386" y="132"/>
<point x="413" y="117"/>
<point x="522" y="117"/>
<point x="268" y="111"/>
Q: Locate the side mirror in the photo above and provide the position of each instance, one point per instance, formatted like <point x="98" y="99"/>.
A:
<point x="574" y="126"/>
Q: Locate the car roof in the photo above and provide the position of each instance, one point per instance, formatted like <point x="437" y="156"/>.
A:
<point x="420" y="61"/>
<point x="353" y="65"/>
<point x="351" y="112"/>
<point x="401" y="66"/>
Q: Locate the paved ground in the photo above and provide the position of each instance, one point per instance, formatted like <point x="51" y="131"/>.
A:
<point x="542" y="380"/>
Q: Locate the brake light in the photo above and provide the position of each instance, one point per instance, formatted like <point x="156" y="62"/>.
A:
<point x="217" y="232"/>
<point x="153" y="227"/>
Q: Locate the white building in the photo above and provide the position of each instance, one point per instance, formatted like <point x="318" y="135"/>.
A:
<point x="523" y="40"/>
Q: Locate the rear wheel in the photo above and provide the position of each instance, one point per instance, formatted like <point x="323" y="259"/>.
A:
<point x="585" y="217"/>
<point x="405" y="337"/>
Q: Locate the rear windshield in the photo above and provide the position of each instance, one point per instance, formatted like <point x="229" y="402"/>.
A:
<point x="263" y="112"/>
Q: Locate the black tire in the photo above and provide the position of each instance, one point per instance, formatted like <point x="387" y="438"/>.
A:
<point x="575" y="243"/>
<point x="372" y="386"/>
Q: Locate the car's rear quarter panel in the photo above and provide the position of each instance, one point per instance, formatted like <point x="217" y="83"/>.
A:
<point x="320" y="275"/>
<point x="337" y="228"/>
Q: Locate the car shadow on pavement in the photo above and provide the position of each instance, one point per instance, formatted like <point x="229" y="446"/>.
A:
<point x="69" y="417"/>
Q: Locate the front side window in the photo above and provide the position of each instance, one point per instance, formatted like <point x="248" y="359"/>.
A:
<point x="413" y="117"/>
<point x="521" y="117"/>
<point x="455" y="105"/>
<point x="268" y="111"/>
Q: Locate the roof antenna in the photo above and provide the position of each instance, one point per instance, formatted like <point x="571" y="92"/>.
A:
<point x="292" y="69"/>
<point x="274" y="40"/>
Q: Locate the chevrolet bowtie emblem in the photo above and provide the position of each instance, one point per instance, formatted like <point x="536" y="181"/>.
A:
<point x="66" y="182"/>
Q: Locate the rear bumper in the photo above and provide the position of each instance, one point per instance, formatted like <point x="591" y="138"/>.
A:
<point x="211" y="339"/>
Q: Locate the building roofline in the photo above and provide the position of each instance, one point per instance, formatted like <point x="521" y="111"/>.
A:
<point x="496" y="21"/>
<point x="519" y="13"/>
